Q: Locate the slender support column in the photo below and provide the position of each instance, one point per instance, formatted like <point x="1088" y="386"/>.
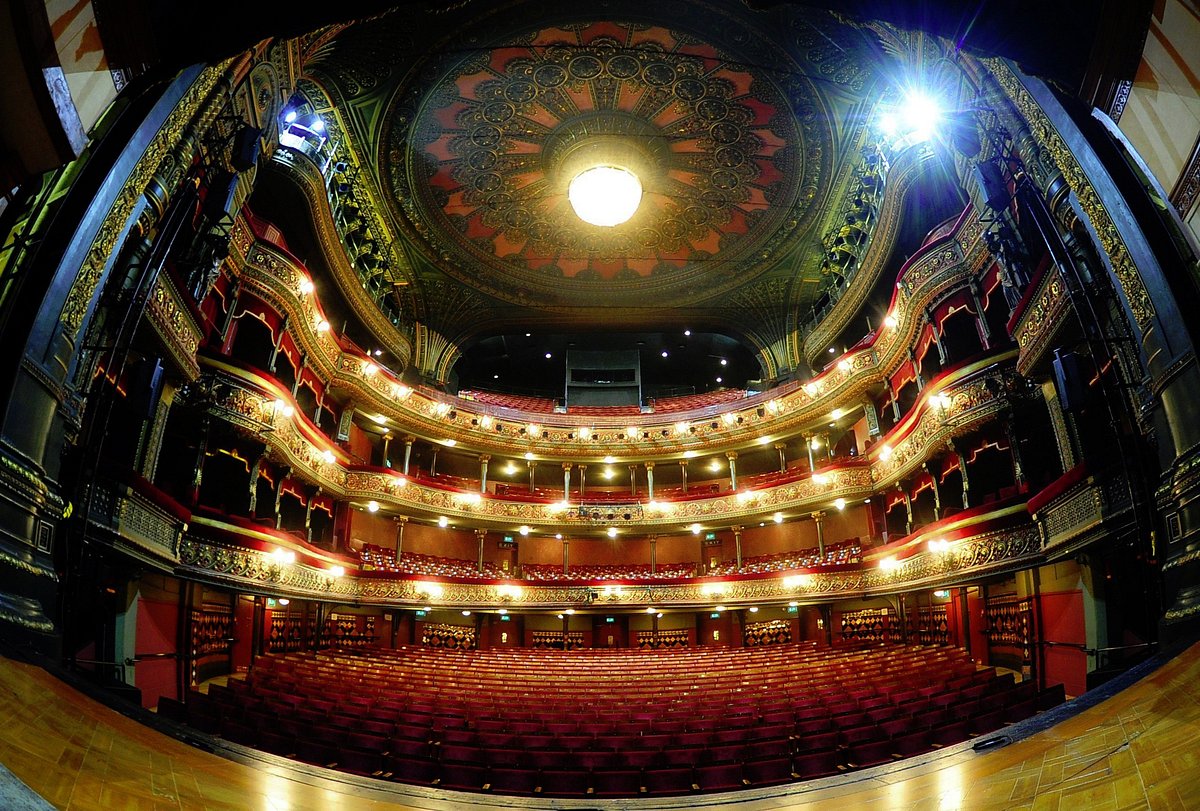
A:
<point x="1015" y="449"/>
<point x="276" y="345"/>
<point x="808" y="445"/>
<point x="823" y="439"/>
<point x="683" y="474"/>
<point x="154" y="434"/>
<point x="912" y="358"/>
<point x="819" y="519"/>
<point x="732" y="457"/>
<point x="908" y="522"/>
<point x="408" y="443"/>
<point x="279" y="496"/>
<point x="937" y="495"/>
<point x="737" y="546"/>
<point x="566" y="468"/>
<point x="387" y="443"/>
<point x="985" y="332"/>
<point x="582" y="481"/>
<point x="308" y="508"/>
<point x="433" y="461"/>
<point x="937" y="339"/>
<point x="255" y="474"/>
<point x="962" y="469"/>
<point x="480" y="534"/>
<point x="650" y="480"/>
<point x="400" y="522"/>
<point x="653" y="554"/>
<point x="198" y="464"/>
<point x="781" y="449"/>
<point x="872" y="415"/>
<point x="299" y="374"/>
<point x="566" y="556"/>
<point x="227" y="322"/>
<point x="895" y="402"/>
<point x="532" y="467"/>
<point x="483" y="471"/>
<point x="633" y="481"/>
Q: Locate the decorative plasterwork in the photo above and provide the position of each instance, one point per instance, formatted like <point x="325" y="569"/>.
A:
<point x="964" y="401"/>
<point x="275" y="276"/>
<point x="1044" y="131"/>
<point x="173" y="323"/>
<point x="1041" y="320"/>
<point x="987" y="553"/>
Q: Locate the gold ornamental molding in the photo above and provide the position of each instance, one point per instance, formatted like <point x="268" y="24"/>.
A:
<point x="908" y="166"/>
<point x="277" y="278"/>
<point x="162" y="163"/>
<point x="990" y="551"/>
<point x="1041" y="320"/>
<point x="961" y="402"/>
<point x="172" y="321"/>
<point x="1047" y="135"/>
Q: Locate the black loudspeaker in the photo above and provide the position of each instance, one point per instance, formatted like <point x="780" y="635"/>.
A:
<point x="145" y="387"/>
<point x="1069" y="380"/>
<point x="990" y="181"/>
<point x="218" y="199"/>
<point x="964" y="134"/>
<point x="245" y="148"/>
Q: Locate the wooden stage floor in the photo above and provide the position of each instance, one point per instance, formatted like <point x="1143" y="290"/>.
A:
<point x="1138" y="749"/>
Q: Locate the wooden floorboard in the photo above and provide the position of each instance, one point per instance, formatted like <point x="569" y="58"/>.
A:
<point x="1138" y="749"/>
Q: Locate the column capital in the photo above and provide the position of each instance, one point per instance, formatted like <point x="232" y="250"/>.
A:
<point x="485" y="457"/>
<point x="731" y="454"/>
<point x="567" y="465"/>
<point x="817" y="516"/>
<point x="479" y="533"/>
<point x="581" y="467"/>
<point x="649" y="465"/>
<point x="683" y="462"/>
<point x="780" y="446"/>
<point x="400" y="519"/>
<point x="737" y="529"/>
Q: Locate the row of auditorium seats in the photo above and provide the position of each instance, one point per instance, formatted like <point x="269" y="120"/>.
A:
<point x="545" y="405"/>
<point x="627" y="571"/>
<point x="380" y="559"/>
<point x="517" y="402"/>
<point x="844" y="552"/>
<point x="610" y="723"/>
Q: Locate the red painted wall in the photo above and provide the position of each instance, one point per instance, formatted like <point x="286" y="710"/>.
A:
<point x="157" y="630"/>
<point x="1062" y="621"/>
<point x="243" y="633"/>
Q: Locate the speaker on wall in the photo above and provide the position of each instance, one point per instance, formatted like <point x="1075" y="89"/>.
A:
<point x="245" y="148"/>
<point x="1069" y="380"/>
<point x="990" y="180"/>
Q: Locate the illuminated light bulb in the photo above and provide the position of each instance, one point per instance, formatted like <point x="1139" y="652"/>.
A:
<point x="840" y="503"/>
<point x="836" y="414"/>
<point x="812" y="389"/>
<point x="682" y="427"/>
<point x="689" y="454"/>
<point x="605" y="195"/>
<point x="729" y="418"/>
<point x="753" y="609"/>
<point x="633" y="433"/>
<point x="443" y="522"/>
<point x="502" y="611"/>
<point x="612" y="532"/>
<point x="306" y="285"/>
<point x="585" y="433"/>
<point x="322" y="326"/>
<point x="533" y="429"/>
<point x="719" y="608"/>
<point x="450" y="442"/>
<point x="715" y="465"/>
<point x="820" y="478"/>
<point x="569" y="611"/>
<point x="815" y="442"/>
<point x="649" y="610"/>
<point x="523" y="530"/>
<point x="885" y="453"/>
<point x="890" y="321"/>
<point x="696" y="529"/>
<point x="844" y="364"/>
<point x="466" y="613"/>
<point x="328" y="457"/>
<point x="284" y="601"/>
<point x="337" y="571"/>
<point x="288" y="119"/>
<point x="370" y="369"/>
<point x="372" y="506"/>
<point x="400" y="481"/>
<point x="763" y="440"/>
<point x="402" y="392"/>
<point x="485" y="421"/>
<point x="528" y="455"/>
<point x="793" y="604"/>
<point x="773" y="406"/>
<point x="608" y="473"/>
<point x="889" y="564"/>
<point x="778" y="518"/>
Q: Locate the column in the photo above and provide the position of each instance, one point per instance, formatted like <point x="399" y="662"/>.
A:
<point x="198" y="464"/>
<point x="872" y="417"/>
<point x="300" y="367"/>
<point x="275" y="346"/>
<point x="818" y="518"/>
<point x="912" y="357"/>
<point x="532" y="465"/>
<point x="962" y="469"/>
<point x="566" y="556"/>
<point x="483" y="467"/>
<point x="433" y="461"/>
<point x="283" y="474"/>
<point x="937" y="339"/>
<point x="400" y="521"/>
<point x="908" y="521"/>
<point x="633" y="480"/>
<point x="737" y="546"/>
<point x="985" y="332"/>
<point x="308" y="508"/>
<point x="387" y="442"/>
<point x="153" y="437"/>
<point x="408" y="443"/>
<point x="566" y="468"/>
<point x="1015" y="449"/>
<point x="808" y="445"/>
<point x="781" y="449"/>
<point x="937" y="496"/>
<point x="255" y="473"/>
<point x="823" y="439"/>
<point x="582" y="481"/>
<point x="653" y="554"/>
<point x="895" y="401"/>
<point x="479" y="536"/>
<point x="650" y="481"/>
<point x="732" y="457"/>
<point x="683" y="474"/>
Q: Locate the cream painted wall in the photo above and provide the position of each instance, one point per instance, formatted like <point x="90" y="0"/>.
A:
<point x="1162" y="117"/>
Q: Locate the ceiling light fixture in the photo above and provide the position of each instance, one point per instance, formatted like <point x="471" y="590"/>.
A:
<point x="605" y="195"/>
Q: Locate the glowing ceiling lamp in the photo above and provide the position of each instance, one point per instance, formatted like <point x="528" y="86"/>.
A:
<point x="605" y="195"/>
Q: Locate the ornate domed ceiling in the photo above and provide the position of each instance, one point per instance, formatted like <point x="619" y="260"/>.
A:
<point x="741" y="126"/>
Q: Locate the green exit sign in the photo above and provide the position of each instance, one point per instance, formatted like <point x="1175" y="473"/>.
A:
<point x="710" y="536"/>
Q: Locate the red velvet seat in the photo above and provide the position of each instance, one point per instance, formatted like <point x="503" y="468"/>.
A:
<point x="463" y="776"/>
<point x="914" y="743"/>
<point x="948" y="734"/>
<point x="768" y="772"/>
<point x="719" y="777"/>
<point x="668" y="781"/>
<point x="616" y="783"/>
<point x="868" y="754"/>
<point x="513" y="780"/>
<point x="813" y="765"/>
<point x="357" y="761"/>
<point x="564" y="782"/>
